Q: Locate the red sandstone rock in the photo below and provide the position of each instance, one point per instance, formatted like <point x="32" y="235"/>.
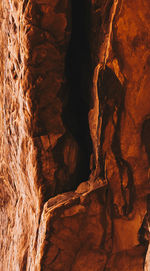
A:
<point x="74" y="146"/>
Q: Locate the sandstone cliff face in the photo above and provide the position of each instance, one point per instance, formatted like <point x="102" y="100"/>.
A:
<point x="75" y="125"/>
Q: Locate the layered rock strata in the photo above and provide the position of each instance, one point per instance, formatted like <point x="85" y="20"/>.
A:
<point x="75" y="124"/>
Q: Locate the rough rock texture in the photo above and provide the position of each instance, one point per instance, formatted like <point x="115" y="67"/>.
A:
<point x="75" y="125"/>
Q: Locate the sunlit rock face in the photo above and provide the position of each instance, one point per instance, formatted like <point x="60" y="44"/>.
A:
<point x="75" y="126"/>
<point x="19" y="192"/>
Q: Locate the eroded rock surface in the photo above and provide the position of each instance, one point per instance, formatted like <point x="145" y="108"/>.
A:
<point x="75" y="125"/>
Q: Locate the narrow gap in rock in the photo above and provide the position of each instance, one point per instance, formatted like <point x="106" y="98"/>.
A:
<point x="24" y="261"/>
<point x="78" y="71"/>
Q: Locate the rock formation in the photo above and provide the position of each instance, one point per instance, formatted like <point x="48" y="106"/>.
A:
<point x="75" y="126"/>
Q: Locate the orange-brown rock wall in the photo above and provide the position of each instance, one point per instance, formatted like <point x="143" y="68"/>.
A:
<point x="19" y="193"/>
<point x="75" y="125"/>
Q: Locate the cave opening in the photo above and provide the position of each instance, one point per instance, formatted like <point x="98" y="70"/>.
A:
<point x="78" y="73"/>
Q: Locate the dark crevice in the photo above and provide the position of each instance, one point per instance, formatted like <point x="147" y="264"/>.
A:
<point x="78" y="72"/>
<point x="24" y="261"/>
<point x="142" y="233"/>
<point x="70" y="180"/>
<point x="24" y="5"/>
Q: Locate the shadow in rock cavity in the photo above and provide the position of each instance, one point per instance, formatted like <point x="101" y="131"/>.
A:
<point x="78" y="72"/>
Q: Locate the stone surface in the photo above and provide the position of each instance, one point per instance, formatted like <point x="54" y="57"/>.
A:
<point x="75" y="125"/>
<point x="74" y="231"/>
<point x="127" y="260"/>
